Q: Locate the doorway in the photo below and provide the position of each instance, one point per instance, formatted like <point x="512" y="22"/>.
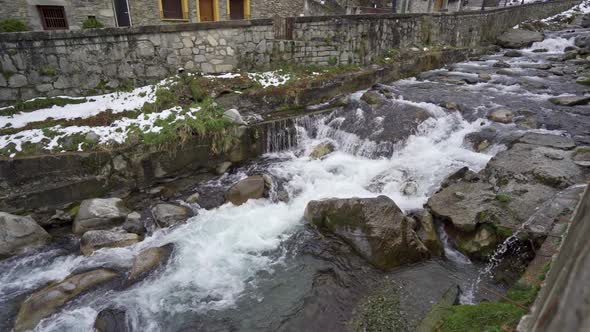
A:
<point x="122" y="12"/>
<point x="438" y="4"/>
<point x="206" y="11"/>
<point x="236" y="10"/>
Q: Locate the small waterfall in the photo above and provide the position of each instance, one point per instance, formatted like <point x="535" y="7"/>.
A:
<point x="328" y="127"/>
<point x="451" y="253"/>
<point x="279" y="135"/>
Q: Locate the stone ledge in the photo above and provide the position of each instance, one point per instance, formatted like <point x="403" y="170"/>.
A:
<point x="170" y="28"/>
<point x="310" y="19"/>
<point x="147" y="29"/>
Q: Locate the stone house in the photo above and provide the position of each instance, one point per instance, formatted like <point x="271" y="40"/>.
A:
<point x="71" y="14"/>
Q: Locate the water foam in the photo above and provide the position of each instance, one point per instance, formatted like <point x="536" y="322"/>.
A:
<point x="220" y="251"/>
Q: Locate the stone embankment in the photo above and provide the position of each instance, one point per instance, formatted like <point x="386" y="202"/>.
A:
<point x="55" y="179"/>
<point x="563" y="300"/>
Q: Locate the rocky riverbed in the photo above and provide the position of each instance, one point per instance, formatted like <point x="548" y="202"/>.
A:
<point x="360" y="222"/>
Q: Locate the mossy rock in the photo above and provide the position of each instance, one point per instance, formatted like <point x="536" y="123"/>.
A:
<point x="478" y="244"/>
<point x="441" y="309"/>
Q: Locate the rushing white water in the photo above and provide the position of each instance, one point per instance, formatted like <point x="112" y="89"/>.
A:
<point x="219" y="252"/>
<point x="450" y="252"/>
<point x="552" y="45"/>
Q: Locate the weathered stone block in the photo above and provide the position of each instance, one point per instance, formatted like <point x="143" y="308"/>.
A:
<point x="17" y="81"/>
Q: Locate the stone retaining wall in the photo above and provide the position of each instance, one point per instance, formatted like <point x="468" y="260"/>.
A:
<point x="87" y="62"/>
<point x="563" y="304"/>
<point x="52" y="180"/>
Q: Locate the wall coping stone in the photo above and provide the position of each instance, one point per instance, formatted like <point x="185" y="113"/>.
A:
<point x="310" y="19"/>
<point x="146" y="29"/>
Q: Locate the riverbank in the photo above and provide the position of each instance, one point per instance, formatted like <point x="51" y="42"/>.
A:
<point x="189" y="123"/>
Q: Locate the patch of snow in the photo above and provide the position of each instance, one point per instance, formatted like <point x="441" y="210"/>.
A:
<point x="116" y="102"/>
<point x="270" y="78"/>
<point x="583" y="8"/>
<point x="224" y="76"/>
<point x="117" y="132"/>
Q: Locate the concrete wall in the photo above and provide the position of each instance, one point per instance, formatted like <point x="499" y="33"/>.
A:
<point x="564" y="301"/>
<point x="77" y="62"/>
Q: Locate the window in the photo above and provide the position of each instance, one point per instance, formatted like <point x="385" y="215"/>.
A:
<point x="238" y="9"/>
<point x="53" y="17"/>
<point x="174" y="9"/>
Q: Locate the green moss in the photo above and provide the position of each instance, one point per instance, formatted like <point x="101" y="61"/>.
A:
<point x="503" y="232"/>
<point x="584" y="81"/>
<point x="28" y="148"/>
<point x="486" y="316"/>
<point x="208" y="122"/>
<point x="380" y="312"/>
<point x="48" y="70"/>
<point x="388" y="56"/>
<point x="546" y="269"/>
<point x="50" y="133"/>
<point x="12" y="25"/>
<point x="504" y="198"/>
<point x="36" y="104"/>
<point x="197" y="91"/>
<point x="487" y="217"/>
<point x="333" y="61"/>
<point x="75" y="142"/>
<point x="73" y="209"/>
<point x="523" y="294"/>
<point x="127" y="86"/>
<point x="92" y="23"/>
<point x="7" y="74"/>
<point x="165" y="99"/>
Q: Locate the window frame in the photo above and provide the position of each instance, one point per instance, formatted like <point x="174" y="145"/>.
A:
<point x="215" y="10"/>
<point x="185" y="12"/>
<point x="43" y="18"/>
<point x="246" y="9"/>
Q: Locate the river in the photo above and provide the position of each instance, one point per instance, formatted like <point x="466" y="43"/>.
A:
<point x="259" y="266"/>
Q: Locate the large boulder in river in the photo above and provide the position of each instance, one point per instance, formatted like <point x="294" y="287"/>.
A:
<point x="48" y="300"/>
<point x="537" y="164"/>
<point x="112" y="320"/>
<point x="570" y="100"/>
<point x="17" y="234"/>
<point x="134" y="224"/>
<point x="149" y="260"/>
<point x="252" y="187"/>
<point x="372" y="97"/>
<point x="322" y="150"/>
<point x="167" y="215"/>
<point x="375" y="227"/>
<point x="99" y="213"/>
<point x="428" y="235"/>
<point x="501" y="115"/>
<point x="551" y="141"/>
<point x="461" y="203"/>
<point x="440" y="310"/>
<point x="517" y="38"/>
<point x="582" y="41"/>
<point x="94" y="240"/>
